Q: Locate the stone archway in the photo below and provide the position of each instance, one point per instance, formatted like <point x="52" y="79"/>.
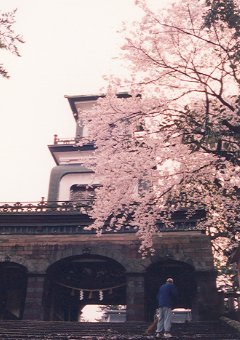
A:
<point x="13" y="285"/>
<point x="76" y="281"/>
<point x="184" y="278"/>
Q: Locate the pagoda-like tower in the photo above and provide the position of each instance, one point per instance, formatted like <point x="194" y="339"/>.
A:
<point x="70" y="176"/>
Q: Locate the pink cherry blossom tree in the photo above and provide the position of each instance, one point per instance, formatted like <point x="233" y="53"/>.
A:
<point x="171" y="144"/>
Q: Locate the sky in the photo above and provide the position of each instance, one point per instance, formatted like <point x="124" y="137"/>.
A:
<point x="69" y="46"/>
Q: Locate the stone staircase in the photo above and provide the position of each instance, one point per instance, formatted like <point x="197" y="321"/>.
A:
<point x="48" y="330"/>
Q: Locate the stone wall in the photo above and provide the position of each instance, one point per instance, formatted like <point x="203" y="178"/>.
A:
<point x="38" y="252"/>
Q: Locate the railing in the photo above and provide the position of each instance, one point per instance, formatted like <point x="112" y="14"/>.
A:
<point x="48" y="208"/>
<point x="65" y="141"/>
<point x="45" y="206"/>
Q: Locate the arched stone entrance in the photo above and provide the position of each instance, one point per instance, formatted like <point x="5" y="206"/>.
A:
<point x="13" y="286"/>
<point x="76" y="281"/>
<point x="184" y="278"/>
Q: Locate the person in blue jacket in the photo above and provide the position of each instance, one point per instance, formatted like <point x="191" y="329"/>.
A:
<point x="167" y="297"/>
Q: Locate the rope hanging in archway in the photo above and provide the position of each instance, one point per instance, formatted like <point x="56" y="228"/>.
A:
<point x="91" y="291"/>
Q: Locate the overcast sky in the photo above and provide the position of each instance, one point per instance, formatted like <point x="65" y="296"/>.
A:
<point x="69" y="46"/>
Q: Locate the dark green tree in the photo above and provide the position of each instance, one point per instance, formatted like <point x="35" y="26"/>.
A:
<point x="225" y="11"/>
<point x="9" y="40"/>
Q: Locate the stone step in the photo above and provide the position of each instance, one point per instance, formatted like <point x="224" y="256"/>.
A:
<point x="49" y="330"/>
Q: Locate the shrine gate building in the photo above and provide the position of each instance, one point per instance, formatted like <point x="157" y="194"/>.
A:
<point x="51" y="267"/>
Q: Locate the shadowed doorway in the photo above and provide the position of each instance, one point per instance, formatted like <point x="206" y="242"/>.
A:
<point x="13" y="284"/>
<point x="184" y="278"/>
<point x="77" y="281"/>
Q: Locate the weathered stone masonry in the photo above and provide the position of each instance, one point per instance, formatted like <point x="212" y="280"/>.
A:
<point x="38" y="252"/>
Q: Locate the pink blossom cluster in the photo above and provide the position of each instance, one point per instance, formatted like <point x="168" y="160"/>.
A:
<point x="174" y="142"/>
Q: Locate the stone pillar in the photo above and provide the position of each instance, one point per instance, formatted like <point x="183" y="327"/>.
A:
<point x="33" y="305"/>
<point x="135" y="297"/>
<point x="207" y="302"/>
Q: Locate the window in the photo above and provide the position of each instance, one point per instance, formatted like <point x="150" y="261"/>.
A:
<point x="83" y="193"/>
